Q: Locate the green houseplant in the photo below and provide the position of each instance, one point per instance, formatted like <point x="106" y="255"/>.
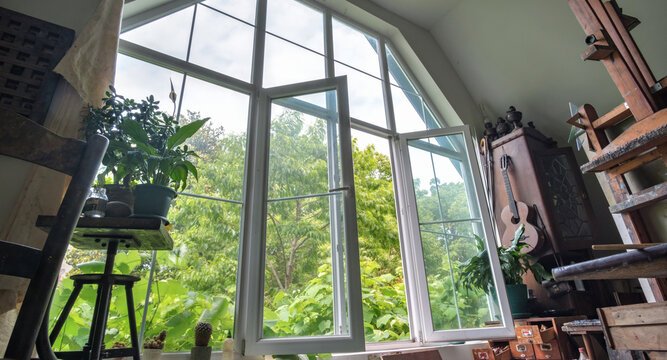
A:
<point x="118" y="171"/>
<point x="476" y="272"/>
<point x="161" y="159"/>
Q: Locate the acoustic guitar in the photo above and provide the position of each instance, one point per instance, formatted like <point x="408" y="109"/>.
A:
<point x="515" y="214"/>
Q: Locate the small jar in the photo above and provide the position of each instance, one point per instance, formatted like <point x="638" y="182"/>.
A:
<point x="96" y="203"/>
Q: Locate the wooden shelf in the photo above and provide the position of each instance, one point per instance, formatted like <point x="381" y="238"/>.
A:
<point x="645" y="263"/>
<point x="134" y="233"/>
<point x="640" y="137"/>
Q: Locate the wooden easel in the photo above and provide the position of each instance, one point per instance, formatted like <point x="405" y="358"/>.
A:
<point x="608" y="36"/>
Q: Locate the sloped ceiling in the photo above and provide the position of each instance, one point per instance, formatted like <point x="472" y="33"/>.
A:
<point x="526" y="53"/>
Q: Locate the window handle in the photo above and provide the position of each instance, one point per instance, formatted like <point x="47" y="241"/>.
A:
<point x="343" y="188"/>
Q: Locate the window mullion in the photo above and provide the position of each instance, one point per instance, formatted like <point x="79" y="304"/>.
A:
<point x="257" y="76"/>
<point x="386" y="86"/>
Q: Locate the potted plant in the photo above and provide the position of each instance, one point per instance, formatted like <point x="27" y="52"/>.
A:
<point x="153" y="346"/>
<point x="162" y="161"/>
<point x="476" y="272"/>
<point x="201" y="350"/>
<point x="118" y="170"/>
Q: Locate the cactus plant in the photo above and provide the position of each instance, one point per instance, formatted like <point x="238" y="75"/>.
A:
<point x="203" y="332"/>
<point x="157" y="342"/>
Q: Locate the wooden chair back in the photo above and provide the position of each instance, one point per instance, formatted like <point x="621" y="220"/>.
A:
<point x="24" y="139"/>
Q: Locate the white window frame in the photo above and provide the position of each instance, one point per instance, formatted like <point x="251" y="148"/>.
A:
<point x="250" y="294"/>
<point x="417" y="301"/>
<point x="413" y="256"/>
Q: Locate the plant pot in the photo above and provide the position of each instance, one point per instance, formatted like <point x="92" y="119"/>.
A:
<point x="200" y="353"/>
<point x="517" y="295"/>
<point x="151" y="354"/>
<point x="121" y="200"/>
<point x="152" y="201"/>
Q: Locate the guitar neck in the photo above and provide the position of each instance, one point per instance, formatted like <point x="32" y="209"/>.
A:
<point x="510" y="195"/>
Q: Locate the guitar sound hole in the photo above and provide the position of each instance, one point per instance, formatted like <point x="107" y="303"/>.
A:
<point x="515" y="220"/>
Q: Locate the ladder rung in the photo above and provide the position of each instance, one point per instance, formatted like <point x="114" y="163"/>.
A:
<point x="641" y="199"/>
<point x="613" y="117"/>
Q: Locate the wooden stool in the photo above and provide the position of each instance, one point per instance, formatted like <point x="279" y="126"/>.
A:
<point x="100" y="314"/>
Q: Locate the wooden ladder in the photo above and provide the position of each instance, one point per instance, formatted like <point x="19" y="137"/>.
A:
<point x="609" y="41"/>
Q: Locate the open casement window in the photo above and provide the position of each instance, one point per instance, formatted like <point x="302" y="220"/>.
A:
<point x="300" y="286"/>
<point x="442" y="183"/>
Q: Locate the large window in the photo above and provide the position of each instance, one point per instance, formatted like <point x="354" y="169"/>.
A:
<point x="268" y="247"/>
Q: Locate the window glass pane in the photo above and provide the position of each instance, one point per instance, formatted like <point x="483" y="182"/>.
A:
<point x="221" y="142"/>
<point x="303" y="294"/>
<point x="307" y="31"/>
<point x="174" y="27"/>
<point x="354" y="48"/>
<point x="449" y="224"/>
<point x="242" y="9"/>
<point x="409" y="110"/>
<point x="394" y="67"/>
<point x="136" y="79"/>
<point x="222" y="44"/>
<point x="383" y="289"/>
<point x="366" y="98"/>
<point x="286" y="63"/>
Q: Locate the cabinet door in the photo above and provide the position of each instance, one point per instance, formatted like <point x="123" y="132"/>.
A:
<point x="566" y="198"/>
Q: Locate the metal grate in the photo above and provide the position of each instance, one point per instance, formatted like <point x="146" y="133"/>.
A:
<point x="29" y="50"/>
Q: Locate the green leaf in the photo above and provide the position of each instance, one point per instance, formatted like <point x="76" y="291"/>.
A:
<point x="184" y="133"/>
<point x="135" y="131"/>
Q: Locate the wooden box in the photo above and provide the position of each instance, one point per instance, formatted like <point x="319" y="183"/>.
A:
<point x="482" y="354"/>
<point x="533" y="334"/>
<point x="548" y="350"/>
<point x="521" y="350"/>
<point x="488" y="354"/>
<point x="636" y="327"/>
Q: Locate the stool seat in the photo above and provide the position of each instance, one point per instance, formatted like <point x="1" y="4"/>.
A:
<point x="96" y="278"/>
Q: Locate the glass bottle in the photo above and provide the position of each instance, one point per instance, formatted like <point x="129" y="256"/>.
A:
<point x="96" y="203"/>
<point x="582" y="354"/>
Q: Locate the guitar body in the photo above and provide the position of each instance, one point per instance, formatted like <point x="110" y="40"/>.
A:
<point x="531" y="235"/>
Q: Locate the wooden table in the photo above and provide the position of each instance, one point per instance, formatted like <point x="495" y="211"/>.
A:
<point x="110" y="234"/>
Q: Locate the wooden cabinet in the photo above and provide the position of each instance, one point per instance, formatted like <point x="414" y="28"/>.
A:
<point x="554" y="344"/>
<point x="546" y="178"/>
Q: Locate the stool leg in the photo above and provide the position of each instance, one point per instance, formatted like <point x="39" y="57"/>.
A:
<point x="96" y="339"/>
<point x="103" y="297"/>
<point x="133" y="321"/>
<point x="63" y="315"/>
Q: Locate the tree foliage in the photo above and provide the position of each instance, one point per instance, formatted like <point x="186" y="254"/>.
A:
<point x="197" y="279"/>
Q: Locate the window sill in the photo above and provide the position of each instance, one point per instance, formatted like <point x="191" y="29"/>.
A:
<point x="448" y="350"/>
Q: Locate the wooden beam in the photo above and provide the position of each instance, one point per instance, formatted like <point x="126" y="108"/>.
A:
<point x="641" y="199"/>
<point x="646" y="263"/>
<point x="596" y="137"/>
<point x="597" y="52"/>
<point x="615" y="116"/>
<point x="633" y="51"/>
<point x="637" y="162"/>
<point x="622" y="246"/>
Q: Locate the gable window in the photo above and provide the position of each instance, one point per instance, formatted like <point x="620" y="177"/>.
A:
<point x="331" y="210"/>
